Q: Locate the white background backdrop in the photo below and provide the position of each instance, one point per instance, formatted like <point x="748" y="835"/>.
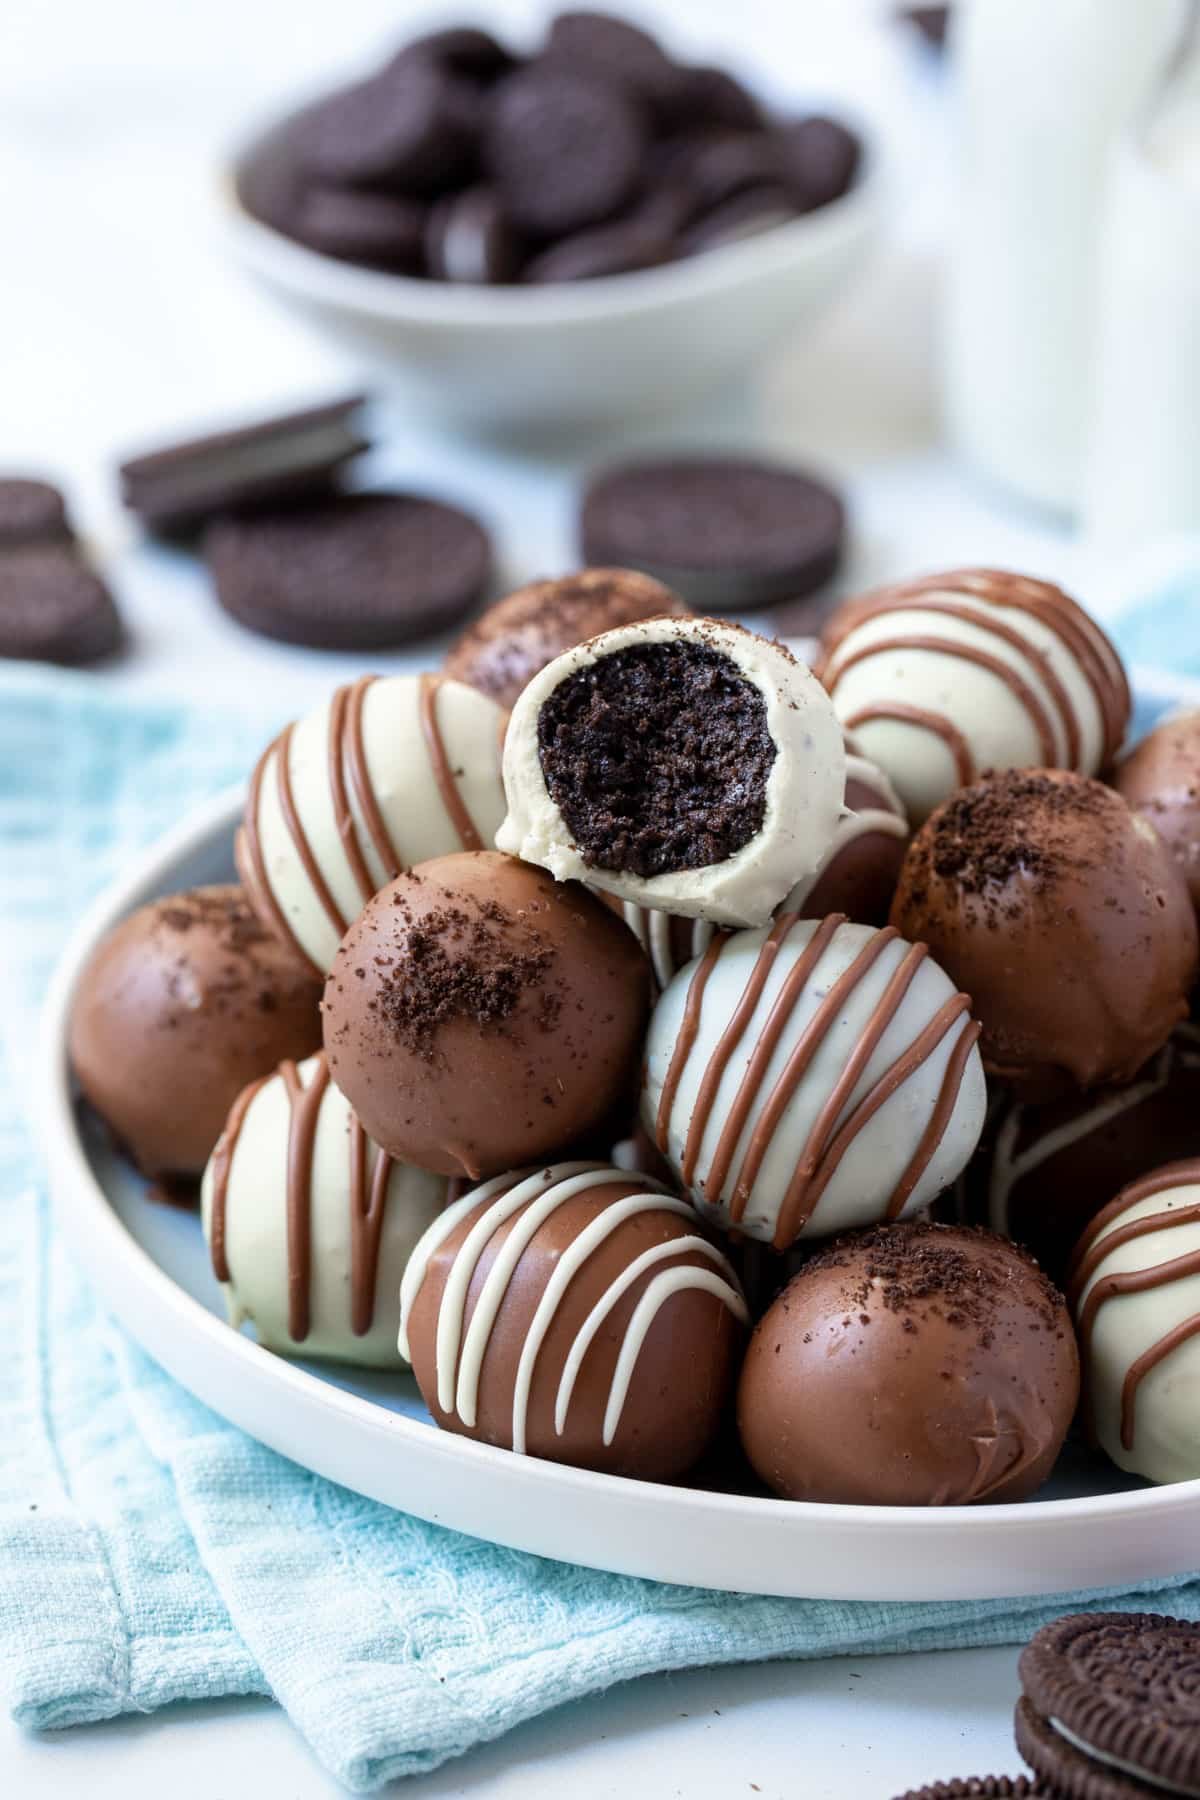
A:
<point x="121" y="323"/>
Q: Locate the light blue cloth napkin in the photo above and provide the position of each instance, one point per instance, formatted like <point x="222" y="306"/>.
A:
<point x="148" y="1551"/>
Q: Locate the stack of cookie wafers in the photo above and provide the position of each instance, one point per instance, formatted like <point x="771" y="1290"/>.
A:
<point x="1110" y="1711"/>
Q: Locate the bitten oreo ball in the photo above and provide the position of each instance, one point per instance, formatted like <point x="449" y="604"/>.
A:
<point x="726" y="534"/>
<point x="480" y="1015"/>
<point x="182" y="1004"/>
<point x="575" y="1313"/>
<point x="310" y="1225"/>
<point x="388" y="772"/>
<point x="1161" y="778"/>
<point x="911" y="1365"/>
<point x="515" y="639"/>
<point x="1135" y="1289"/>
<point x="812" y="1077"/>
<point x="1064" y="916"/>
<point x="949" y="675"/>
<point x="564" y="149"/>
<point x="684" y="764"/>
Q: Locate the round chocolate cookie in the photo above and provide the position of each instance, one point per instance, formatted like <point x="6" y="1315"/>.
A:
<point x="979" y="1787"/>
<point x="380" y="231"/>
<point x="1109" y="1696"/>
<point x="817" y="158"/>
<point x="621" y="248"/>
<point x="469" y="239"/>
<point x="1063" y="915"/>
<point x="479" y="1015"/>
<point x="31" y="512"/>
<point x="183" y="1003"/>
<point x="414" y="126"/>
<point x="743" y="215"/>
<point x="597" y="44"/>
<point x="575" y="1313"/>
<point x="564" y="150"/>
<point x="715" y="99"/>
<point x="463" y="49"/>
<point x="516" y="637"/>
<point x="356" y="572"/>
<point x="726" y="534"/>
<point x="53" y="608"/>
<point x="911" y="1365"/>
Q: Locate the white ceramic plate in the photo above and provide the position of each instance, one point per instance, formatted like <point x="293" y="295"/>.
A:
<point x="1093" y="1527"/>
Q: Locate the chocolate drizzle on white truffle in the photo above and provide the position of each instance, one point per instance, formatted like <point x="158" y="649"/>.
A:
<point x="389" y="772"/>
<point x="813" y="1077"/>
<point x="950" y="674"/>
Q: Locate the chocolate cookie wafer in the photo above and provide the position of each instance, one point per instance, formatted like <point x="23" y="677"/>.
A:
<point x="979" y="1787"/>
<point x="1112" y="1706"/>
<point x="180" y="487"/>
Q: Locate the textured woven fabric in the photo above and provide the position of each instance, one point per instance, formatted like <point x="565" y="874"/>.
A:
<point x="150" y="1552"/>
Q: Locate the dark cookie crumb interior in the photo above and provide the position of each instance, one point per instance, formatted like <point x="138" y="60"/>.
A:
<point x="658" y="758"/>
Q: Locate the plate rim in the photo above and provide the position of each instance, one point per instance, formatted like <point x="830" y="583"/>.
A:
<point x="157" y="1311"/>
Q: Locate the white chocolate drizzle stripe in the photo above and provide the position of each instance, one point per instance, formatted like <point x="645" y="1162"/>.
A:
<point x="459" y="1359"/>
<point x="568" y="1265"/>
<point x="591" y="1325"/>
<point x="439" y="1231"/>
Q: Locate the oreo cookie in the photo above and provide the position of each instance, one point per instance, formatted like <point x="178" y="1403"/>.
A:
<point x="469" y="238"/>
<point x="616" y="249"/>
<point x="978" y="1787"/>
<point x="464" y="50"/>
<point x="715" y="98"/>
<point x="358" y="572"/>
<point x="375" y="230"/>
<point x="1111" y="1707"/>
<point x="53" y="608"/>
<point x="599" y="44"/>
<point x="414" y="127"/>
<point x="564" y="150"/>
<point x="292" y="456"/>
<point x="729" y="535"/>
<point x="817" y="158"/>
<point x="742" y="216"/>
<point x="32" y="512"/>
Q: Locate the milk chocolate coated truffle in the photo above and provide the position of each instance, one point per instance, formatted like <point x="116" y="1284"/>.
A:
<point x="480" y="1015"/>
<point x="1048" y="1170"/>
<point x="1135" y="1290"/>
<point x="1063" y="915"/>
<point x="946" y="676"/>
<point x="310" y="1225"/>
<point x="911" y="1365"/>
<point x="387" y="773"/>
<point x="811" y="1078"/>
<point x="575" y="1313"/>
<point x="1161" y="778"/>
<point x="684" y="764"/>
<point x="183" y="1003"/>
<point x="515" y="639"/>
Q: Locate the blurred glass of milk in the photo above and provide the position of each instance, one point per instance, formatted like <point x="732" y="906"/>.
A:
<point x="1142" y="474"/>
<point x="1044" y="90"/>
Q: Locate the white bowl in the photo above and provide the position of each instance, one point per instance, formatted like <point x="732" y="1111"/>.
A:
<point x="1091" y="1526"/>
<point x="576" y="353"/>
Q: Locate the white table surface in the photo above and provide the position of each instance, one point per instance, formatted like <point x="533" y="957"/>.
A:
<point x="122" y="324"/>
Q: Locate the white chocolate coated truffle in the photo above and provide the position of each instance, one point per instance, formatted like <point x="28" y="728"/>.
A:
<point x="1135" y="1292"/>
<point x="310" y="1224"/>
<point x="389" y="772"/>
<point x="801" y="799"/>
<point x="949" y="675"/>
<point x="811" y="1078"/>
